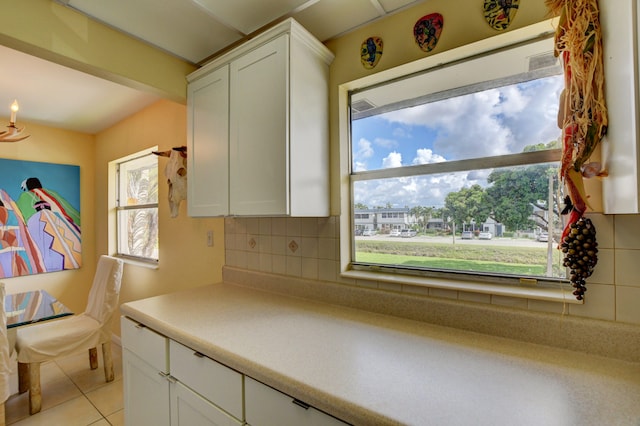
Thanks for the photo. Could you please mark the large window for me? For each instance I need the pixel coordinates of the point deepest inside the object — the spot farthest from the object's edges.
(137, 207)
(463, 159)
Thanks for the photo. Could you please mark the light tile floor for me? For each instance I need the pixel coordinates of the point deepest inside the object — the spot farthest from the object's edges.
(72, 394)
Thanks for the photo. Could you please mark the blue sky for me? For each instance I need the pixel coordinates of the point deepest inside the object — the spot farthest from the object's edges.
(64, 179)
(493, 122)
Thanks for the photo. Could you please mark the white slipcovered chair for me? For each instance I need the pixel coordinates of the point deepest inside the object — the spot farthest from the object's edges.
(5, 358)
(49, 340)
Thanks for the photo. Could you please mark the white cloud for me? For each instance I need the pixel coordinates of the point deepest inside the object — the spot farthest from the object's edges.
(359, 166)
(426, 156)
(538, 124)
(410, 191)
(492, 122)
(401, 132)
(386, 143)
(394, 159)
(365, 150)
(361, 154)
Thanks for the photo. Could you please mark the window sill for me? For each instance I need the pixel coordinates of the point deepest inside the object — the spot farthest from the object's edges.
(524, 291)
(143, 264)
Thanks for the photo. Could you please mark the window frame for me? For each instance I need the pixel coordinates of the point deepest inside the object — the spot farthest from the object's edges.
(118, 208)
(545, 289)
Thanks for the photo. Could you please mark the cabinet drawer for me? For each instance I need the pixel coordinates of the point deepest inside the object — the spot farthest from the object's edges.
(214, 381)
(189, 409)
(148, 345)
(266, 406)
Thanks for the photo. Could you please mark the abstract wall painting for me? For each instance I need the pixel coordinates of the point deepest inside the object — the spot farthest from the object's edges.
(39, 218)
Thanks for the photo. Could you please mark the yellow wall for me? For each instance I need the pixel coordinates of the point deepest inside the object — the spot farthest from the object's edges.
(48, 30)
(185, 259)
(463, 24)
(614, 290)
(47, 144)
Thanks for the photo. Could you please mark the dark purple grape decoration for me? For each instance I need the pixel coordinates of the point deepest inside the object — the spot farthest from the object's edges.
(580, 254)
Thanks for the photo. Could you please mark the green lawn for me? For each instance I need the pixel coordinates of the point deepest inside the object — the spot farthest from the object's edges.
(485, 258)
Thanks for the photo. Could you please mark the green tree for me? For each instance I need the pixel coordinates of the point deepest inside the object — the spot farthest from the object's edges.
(468, 204)
(422, 214)
(515, 191)
(542, 146)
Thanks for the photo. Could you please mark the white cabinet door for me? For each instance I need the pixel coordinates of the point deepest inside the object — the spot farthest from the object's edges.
(259, 145)
(214, 381)
(208, 144)
(271, 108)
(190, 409)
(146, 393)
(266, 406)
(145, 367)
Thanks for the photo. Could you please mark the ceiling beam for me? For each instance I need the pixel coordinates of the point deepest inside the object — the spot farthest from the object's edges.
(59, 34)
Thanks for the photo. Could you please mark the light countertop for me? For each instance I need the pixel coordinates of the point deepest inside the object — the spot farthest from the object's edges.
(368, 368)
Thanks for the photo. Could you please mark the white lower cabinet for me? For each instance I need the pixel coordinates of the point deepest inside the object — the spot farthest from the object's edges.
(190, 409)
(169, 384)
(266, 406)
(145, 368)
(146, 400)
(212, 380)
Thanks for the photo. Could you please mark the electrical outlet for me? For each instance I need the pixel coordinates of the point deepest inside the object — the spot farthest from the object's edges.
(209, 238)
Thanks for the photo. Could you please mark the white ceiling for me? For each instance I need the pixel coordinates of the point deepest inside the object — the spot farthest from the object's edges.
(193, 30)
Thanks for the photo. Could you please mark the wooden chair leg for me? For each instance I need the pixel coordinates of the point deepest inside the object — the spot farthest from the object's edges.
(93, 358)
(108, 362)
(23, 377)
(35, 392)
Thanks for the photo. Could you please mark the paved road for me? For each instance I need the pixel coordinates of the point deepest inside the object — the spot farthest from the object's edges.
(512, 242)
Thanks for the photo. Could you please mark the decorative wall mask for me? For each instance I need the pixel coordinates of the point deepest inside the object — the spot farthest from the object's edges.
(500, 13)
(427, 31)
(371, 52)
(176, 173)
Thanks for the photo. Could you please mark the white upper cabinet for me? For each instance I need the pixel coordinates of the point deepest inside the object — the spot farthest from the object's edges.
(208, 150)
(259, 148)
(258, 128)
(621, 146)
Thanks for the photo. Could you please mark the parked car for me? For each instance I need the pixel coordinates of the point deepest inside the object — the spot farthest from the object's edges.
(394, 233)
(358, 232)
(543, 237)
(485, 235)
(368, 233)
(467, 235)
(407, 233)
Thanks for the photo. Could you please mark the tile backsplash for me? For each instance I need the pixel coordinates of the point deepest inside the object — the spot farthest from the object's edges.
(309, 248)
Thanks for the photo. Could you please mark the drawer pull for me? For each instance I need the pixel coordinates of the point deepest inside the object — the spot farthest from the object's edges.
(198, 354)
(140, 326)
(301, 404)
(167, 376)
